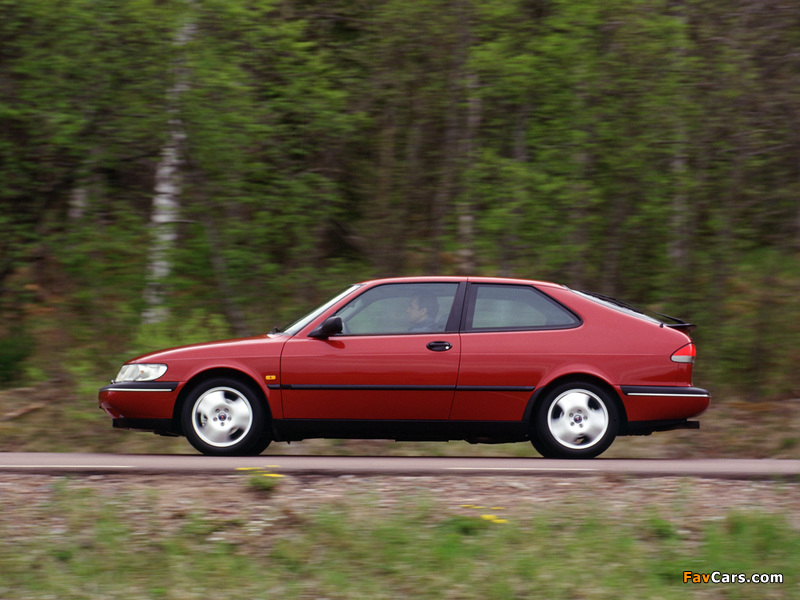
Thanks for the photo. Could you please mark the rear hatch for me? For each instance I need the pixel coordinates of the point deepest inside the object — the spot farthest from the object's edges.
(649, 315)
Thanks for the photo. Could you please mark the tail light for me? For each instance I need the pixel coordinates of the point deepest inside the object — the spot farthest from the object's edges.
(685, 354)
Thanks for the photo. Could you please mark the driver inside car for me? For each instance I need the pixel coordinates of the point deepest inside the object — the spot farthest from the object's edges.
(422, 310)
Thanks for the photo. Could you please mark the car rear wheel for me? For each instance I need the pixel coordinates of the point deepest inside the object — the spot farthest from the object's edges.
(224, 417)
(575, 420)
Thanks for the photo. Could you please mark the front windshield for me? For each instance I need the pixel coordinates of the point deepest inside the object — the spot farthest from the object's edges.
(302, 322)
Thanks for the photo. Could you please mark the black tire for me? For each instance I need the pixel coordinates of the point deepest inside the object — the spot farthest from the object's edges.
(225, 417)
(575, 420)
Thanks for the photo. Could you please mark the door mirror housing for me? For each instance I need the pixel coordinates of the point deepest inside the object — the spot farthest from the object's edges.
(330, 326)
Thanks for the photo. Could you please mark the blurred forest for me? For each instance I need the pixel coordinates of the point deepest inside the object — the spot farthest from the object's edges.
(173, 171)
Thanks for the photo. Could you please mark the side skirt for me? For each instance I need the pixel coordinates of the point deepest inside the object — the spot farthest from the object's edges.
(491, 432)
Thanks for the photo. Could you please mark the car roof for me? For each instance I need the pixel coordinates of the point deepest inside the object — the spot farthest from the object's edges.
(458, 279)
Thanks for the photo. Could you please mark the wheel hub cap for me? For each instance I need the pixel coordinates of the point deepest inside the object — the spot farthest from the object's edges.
(222, 416)
(577, 419)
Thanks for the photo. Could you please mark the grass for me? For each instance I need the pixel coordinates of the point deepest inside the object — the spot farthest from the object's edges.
(262, 480)
(79, 542)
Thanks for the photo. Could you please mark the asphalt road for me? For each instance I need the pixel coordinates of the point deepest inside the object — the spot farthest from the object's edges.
(62, 463)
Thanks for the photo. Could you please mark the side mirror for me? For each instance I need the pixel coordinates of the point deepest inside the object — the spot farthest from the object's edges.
(331, 326)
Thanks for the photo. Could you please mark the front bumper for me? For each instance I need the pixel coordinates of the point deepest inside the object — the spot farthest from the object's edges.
(140, 399)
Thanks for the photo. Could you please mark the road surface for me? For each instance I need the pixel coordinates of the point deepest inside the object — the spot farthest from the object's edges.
(62, 463)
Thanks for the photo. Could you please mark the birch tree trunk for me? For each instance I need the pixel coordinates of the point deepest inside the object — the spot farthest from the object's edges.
(164, 214)
(166, 201)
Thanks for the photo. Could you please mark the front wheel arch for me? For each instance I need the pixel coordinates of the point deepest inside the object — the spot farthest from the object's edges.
(256, 440)
(211, 374)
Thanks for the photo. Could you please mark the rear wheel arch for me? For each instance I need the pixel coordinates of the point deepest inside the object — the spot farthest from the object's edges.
(543, 392)
(585, 395)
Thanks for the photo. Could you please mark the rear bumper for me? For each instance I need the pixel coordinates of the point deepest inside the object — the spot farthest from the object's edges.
(663, 403)
(665, 391)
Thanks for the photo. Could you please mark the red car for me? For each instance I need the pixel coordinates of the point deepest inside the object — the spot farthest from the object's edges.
(426, 358)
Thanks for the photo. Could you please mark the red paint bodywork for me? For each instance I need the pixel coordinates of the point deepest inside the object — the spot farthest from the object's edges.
(485, 376)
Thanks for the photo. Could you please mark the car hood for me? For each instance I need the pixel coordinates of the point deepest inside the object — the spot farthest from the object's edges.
(262, 345)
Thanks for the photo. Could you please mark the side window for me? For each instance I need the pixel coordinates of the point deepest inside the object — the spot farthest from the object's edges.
(400, 308)
(514, 307)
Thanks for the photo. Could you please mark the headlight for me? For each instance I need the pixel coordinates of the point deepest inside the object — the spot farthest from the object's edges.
(140, 372)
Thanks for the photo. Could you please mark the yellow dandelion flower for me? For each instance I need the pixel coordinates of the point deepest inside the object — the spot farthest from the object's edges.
(493, 519)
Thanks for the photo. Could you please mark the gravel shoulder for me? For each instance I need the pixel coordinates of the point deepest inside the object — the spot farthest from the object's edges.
(25, 498)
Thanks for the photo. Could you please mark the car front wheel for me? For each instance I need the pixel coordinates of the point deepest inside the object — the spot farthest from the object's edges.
(575, 420)
(224, 417)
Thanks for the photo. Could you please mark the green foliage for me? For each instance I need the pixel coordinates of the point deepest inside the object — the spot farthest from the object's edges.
(641, 149)
(15, 347)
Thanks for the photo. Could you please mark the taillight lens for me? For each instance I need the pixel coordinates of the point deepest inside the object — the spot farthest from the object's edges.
(685, 354)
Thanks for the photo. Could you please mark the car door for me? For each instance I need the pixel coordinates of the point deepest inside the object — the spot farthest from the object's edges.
(394, 360)
(511, 336)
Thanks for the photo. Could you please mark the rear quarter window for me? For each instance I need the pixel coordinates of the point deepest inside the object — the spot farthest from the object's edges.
(515, 307)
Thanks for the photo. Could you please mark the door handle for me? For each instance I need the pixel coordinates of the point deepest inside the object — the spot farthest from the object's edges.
(439, 346)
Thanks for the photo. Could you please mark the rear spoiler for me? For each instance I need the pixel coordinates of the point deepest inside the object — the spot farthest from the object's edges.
(679, 325)
(674, 322)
